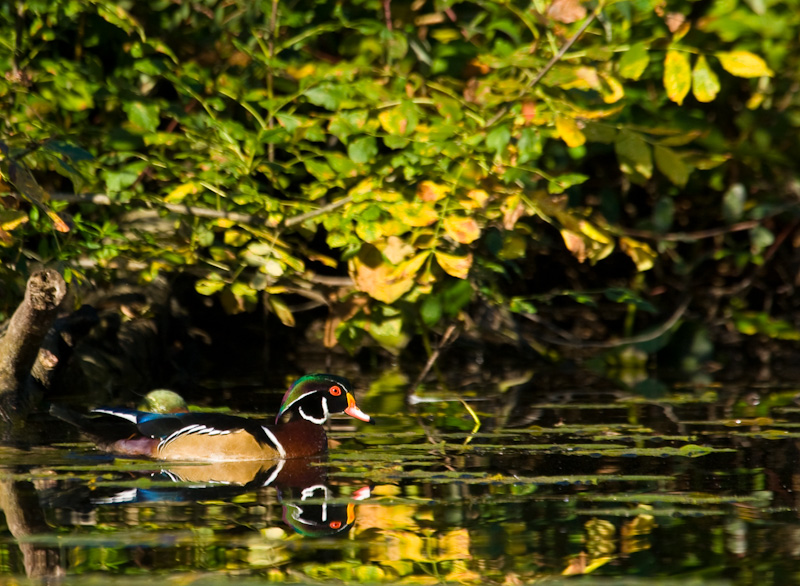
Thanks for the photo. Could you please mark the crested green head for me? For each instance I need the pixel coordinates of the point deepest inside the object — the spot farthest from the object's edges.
(315, 396)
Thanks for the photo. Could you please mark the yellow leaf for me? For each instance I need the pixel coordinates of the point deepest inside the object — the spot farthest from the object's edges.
(583, 246)
(613, 92)
(236, 237)
(455, 266)
(301, 72)
(569, 131)
(677, 75)
(705, 83)
(178, 194)
(743, 64)
(429, 191)
(10, 219)
(408, 269)
(380, 279)
(281, 310)
(641, 254)
(416, 215)
(461, 229)
(476, 199)
(58, 223)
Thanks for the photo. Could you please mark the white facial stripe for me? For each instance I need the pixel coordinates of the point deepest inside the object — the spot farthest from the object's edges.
(304, 395)
(275, 442)
(129, 416)
(189, 429)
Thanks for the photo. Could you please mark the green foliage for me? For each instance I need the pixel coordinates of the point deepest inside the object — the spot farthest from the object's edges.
(425, 156)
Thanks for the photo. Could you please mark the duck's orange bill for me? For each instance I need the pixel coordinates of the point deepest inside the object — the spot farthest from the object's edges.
(353, 410)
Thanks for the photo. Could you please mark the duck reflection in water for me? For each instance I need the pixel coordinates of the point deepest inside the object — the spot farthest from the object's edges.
(310, 505)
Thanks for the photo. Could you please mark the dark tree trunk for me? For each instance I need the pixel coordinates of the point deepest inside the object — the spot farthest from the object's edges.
(23, 339)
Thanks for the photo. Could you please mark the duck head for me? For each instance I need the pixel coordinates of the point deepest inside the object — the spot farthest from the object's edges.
(316, 396)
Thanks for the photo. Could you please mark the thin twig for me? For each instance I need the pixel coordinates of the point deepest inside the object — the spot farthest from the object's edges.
(387, 12)
(451, 329)
(644, 337)
(105, 199)
(318, 212)
(273, 23)
(555, 59)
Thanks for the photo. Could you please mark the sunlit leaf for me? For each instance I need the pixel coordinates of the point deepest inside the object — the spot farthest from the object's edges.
(743, 64)
(634, 61)
(362, 149)
(569, 131)
(705, 83)
(463, 229)
(677, 75)
(280, 309)
(10, 219)
(430, 191)
(400, 120)
(612, 91)
(178, 194)
(566, 11)
(378, 278)
(453, 265)
(640, 253)
(144, 116)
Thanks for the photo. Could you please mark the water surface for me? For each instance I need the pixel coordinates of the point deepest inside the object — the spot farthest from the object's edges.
(695, 486)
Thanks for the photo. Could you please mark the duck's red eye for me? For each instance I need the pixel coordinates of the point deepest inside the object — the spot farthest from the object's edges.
(335, 524)
(335, 390)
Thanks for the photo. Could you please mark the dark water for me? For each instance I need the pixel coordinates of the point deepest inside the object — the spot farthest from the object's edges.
(695, 485)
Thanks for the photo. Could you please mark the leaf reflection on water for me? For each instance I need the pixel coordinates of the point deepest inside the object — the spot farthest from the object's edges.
(584, 485)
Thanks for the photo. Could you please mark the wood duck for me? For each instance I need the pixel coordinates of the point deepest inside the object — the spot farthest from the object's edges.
(215, 437)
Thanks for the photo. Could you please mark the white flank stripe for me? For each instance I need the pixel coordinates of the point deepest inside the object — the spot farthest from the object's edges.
(275, 441)
(190, 429)
(274, 475)
(129, 416)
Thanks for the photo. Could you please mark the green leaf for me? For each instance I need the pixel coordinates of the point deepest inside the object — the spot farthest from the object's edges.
(319, 169)
(363, 149)
(705, 83)
(456, 297)
(431, 310)
(634, 61)
(743, 64)
(326, 95)
(671, 164)
(677, 75)
(634, 154)
(733, 203)
(497, 139)
(621, 295)
(72, 152)
(145, 116)
(400, 120)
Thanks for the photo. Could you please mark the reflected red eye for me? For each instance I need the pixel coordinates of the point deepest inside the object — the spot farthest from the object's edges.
(335, 390)
(335, 524)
